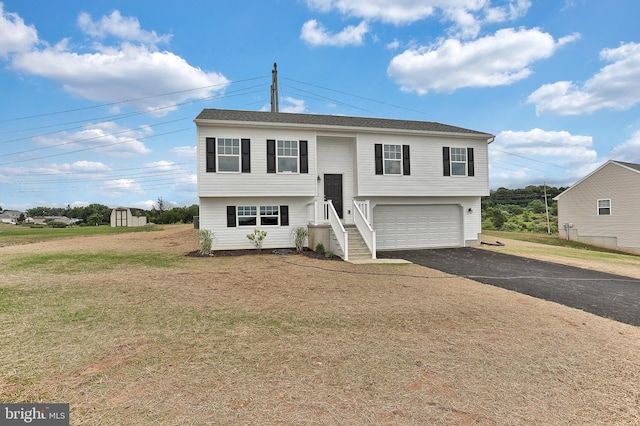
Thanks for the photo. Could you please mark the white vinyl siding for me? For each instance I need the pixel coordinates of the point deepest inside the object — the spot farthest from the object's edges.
(258, 183)
(213, 216)
(426, 177)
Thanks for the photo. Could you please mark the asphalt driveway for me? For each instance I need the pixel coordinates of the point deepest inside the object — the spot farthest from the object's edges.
(606, 295)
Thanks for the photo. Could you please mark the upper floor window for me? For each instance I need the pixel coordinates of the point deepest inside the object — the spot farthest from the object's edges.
(392, 159)
(604, 207)
(287, 156)
(458, 161)
(228, 155)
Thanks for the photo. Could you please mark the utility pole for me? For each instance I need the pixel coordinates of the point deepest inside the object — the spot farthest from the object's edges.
(546, 206)
(274, 88)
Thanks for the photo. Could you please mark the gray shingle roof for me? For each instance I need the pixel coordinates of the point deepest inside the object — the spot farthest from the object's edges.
(631, 165)
(331, 120)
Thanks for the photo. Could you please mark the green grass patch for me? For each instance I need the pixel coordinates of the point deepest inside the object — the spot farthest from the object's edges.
(551, 240)
(14, 235)
(66, 263)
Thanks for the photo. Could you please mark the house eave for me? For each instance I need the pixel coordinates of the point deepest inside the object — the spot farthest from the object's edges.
(328, 129)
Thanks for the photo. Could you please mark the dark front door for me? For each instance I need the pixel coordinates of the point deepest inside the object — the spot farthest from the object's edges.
(333, 191)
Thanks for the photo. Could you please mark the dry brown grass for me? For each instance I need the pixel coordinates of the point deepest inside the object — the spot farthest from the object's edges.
(292, 340)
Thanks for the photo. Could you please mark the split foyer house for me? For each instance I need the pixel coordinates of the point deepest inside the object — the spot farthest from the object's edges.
(602, 208)
(358, 184)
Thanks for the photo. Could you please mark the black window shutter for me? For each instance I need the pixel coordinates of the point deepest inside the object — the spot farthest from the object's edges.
(246, 156)
(231, 216)
(446, 165)
(271, 156)
(406, 162)
(284, 215)
(470, 165)
(211, 154)
(304, 157)
(378, 154)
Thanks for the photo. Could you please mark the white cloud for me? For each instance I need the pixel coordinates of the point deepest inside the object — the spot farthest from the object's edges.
(629, 151)
(123, 28)
(184, 151)
(315, 34)
(15, 35)
(521, 158)
(85, 166)
(296, 105)
(466, 15)
(615, 86)
(133, 69)
(496, 60)
(121, 186)
(105, 138)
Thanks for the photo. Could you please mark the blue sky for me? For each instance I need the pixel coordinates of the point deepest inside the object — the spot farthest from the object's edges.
(98, 98)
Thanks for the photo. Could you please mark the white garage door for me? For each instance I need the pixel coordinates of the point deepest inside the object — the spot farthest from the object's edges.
(417, 226)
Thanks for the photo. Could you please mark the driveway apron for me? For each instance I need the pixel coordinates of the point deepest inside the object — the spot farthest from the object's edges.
(606, 295)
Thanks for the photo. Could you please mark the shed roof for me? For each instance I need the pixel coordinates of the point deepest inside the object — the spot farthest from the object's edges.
(332, 121)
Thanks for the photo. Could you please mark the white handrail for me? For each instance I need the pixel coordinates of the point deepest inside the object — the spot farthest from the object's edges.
(364, 208)
(365, 229)
(338, 229)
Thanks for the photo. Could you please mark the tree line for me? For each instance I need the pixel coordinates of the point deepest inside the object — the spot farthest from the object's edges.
(99, 214)
(522, 210)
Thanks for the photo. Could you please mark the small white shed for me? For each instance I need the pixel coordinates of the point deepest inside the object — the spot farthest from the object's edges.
(127, 217)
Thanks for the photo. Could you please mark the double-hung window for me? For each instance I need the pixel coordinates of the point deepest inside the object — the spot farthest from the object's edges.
(458, 161)
(257, 215)
(269, 215)
(228, 155)
(247, 216)
(287, 156)
(604, 207)
(392, 159)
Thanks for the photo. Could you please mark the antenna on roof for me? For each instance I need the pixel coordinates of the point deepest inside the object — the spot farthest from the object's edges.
(274, 88)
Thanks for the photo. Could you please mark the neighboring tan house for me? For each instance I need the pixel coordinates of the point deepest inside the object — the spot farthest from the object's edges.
(602, 208)
(358, 184)
(10, 216)
(44, 220)
(127, 217)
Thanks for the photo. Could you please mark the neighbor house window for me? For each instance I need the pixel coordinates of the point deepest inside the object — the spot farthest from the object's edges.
(287, 156)
(458, 161)
(392, 159)
(247, 216)
(228, 155)
(269, 215)
(604, 207)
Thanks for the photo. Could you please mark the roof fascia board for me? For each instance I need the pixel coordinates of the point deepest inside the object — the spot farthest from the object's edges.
(318, 127)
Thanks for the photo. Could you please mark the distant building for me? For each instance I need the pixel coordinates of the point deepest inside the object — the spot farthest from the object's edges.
(127, 217)
(10, 216)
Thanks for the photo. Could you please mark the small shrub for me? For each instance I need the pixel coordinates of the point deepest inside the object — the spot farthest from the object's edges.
(329, 254)
(257, 238)
(320, 248)
(206, 241)
(299, 235)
